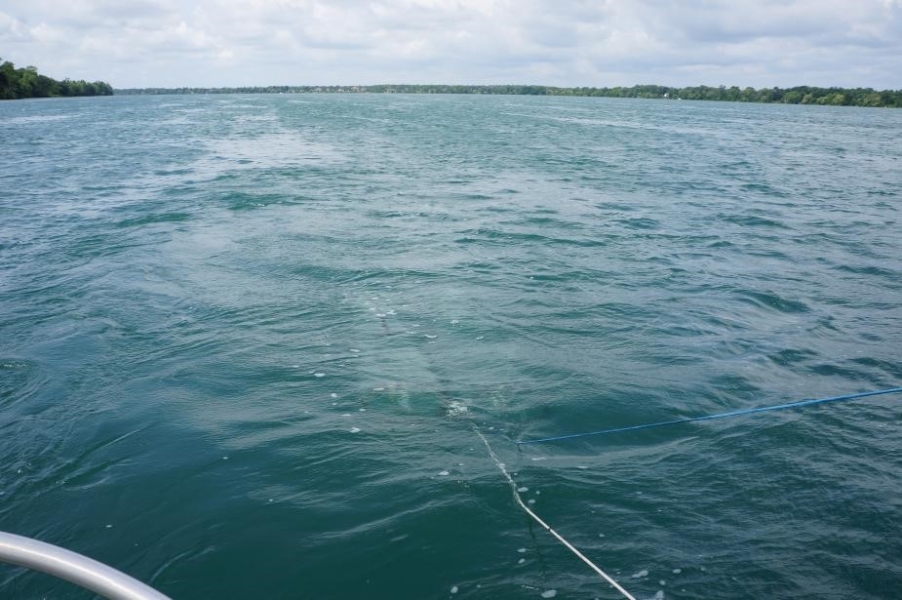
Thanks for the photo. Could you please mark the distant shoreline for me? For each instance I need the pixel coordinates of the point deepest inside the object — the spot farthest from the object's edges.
(796, 95)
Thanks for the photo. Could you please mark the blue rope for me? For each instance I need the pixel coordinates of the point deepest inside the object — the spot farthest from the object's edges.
(735, 413)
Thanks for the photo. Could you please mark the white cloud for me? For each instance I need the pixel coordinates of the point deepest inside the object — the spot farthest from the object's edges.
(556, 42)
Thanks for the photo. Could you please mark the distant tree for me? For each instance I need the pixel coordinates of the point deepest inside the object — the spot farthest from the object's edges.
(796, 95)
(792, 97)
(28, 83)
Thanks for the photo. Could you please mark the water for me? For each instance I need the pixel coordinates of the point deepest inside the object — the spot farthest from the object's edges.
(244, 341)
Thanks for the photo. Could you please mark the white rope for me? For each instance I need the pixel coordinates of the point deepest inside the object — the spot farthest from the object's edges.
(544, 525)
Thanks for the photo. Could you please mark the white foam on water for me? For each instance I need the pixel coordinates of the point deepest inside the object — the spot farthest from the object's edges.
(379, 389)
(521, 561)
(333, 395)
(640, 574)
(456, 408)
(454, 589)
(549, 594)
(346, 415)
(662, 583)
(531, 501)
(431, 337)
(355, 430)
(355, 350)
(443, 473)
(380, 315)
(658, 596)
(319, 374)
(455, 322)
(677, 571)
(480, 337)
(521, 550)
(523, 489)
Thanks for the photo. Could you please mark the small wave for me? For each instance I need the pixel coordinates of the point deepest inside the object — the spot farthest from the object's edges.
(19, 381)
(871, 271)
(893, 369)
(174, 217)
(238, 201)
(644, 223)
(502, 238)
(772, 300)
(791, 356)
(752, 221)
(38, 119)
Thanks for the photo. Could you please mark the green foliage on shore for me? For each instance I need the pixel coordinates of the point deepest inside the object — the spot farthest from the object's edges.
(796, 95)
(28, 83)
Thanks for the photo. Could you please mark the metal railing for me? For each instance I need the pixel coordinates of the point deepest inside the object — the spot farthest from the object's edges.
(78, 569)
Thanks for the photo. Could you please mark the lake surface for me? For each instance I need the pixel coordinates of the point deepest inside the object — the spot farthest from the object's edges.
(247, 343)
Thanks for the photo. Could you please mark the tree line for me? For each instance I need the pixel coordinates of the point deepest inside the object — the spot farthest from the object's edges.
(796, 95)
(28, 83)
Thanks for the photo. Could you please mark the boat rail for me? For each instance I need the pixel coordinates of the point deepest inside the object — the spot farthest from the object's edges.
(74, 567)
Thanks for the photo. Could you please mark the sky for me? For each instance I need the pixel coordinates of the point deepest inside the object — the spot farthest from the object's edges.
(595, 43)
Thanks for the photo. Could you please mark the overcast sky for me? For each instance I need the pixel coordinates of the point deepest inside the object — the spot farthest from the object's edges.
(168, 43)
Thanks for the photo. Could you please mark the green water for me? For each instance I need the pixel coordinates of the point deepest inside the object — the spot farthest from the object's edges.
(244, 342)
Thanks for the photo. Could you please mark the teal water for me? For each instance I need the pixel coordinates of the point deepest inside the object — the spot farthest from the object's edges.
(244, 342)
